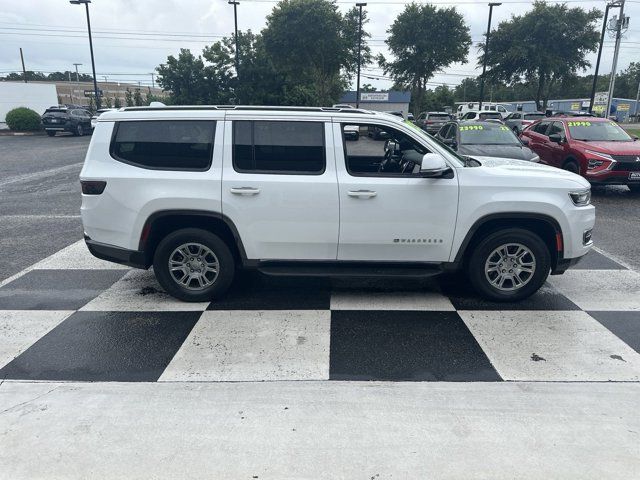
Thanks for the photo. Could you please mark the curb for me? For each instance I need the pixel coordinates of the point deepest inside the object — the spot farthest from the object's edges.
(9, 133)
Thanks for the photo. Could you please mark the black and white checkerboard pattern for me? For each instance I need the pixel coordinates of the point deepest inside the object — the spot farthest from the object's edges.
(73, 317)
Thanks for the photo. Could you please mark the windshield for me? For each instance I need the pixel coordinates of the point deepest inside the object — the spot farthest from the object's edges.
(597, 131)
(487, 135)
(534, 116)
(429, 139)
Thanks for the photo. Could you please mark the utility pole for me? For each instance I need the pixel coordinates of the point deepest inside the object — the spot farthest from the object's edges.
(359, 5)
(153, 79)
(93, 63)
(24, 70)
(77, 76)
(594, 85)
(70, 88)
(637, 101)
(486, 53)
(621, 22)
(235, 4)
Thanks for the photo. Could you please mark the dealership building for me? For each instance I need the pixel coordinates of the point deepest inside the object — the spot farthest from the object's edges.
(391, 101)
(622, 108)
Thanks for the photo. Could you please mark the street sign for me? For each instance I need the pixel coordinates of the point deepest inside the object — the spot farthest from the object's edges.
(624, 107)
(91, 93)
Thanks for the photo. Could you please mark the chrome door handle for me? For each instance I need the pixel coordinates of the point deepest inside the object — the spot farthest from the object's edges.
(245, 190)
(362, 193)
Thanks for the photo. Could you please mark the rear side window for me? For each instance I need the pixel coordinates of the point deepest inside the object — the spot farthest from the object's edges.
(278, 147)
(165, 144)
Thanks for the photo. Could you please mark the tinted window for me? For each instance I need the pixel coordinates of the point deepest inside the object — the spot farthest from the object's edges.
(533, 116)
(438, 116)
(556, 128)
(164, 144)
(278, 147)
(541, 127)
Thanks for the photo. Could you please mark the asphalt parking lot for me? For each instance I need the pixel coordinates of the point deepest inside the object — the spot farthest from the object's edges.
(305, 378)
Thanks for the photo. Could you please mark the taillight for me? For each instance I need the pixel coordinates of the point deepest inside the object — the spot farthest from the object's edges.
(93, 187)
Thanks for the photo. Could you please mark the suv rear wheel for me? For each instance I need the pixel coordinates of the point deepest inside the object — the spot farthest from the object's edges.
(194, 265)
(79, 131)
(509, 265)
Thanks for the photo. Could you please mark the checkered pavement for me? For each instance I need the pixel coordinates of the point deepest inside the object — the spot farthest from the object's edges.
(72, 317)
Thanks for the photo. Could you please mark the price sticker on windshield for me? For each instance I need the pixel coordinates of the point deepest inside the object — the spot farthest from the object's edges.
(465, 128)
(505, 128)
(578, 124)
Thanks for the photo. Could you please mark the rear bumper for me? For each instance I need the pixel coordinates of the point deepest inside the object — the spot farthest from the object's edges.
(110, 253)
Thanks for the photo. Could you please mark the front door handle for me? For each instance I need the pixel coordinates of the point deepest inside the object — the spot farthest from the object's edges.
(362, 193)
(245, 190)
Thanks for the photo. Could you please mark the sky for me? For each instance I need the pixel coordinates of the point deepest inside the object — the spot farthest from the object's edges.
(132, 37)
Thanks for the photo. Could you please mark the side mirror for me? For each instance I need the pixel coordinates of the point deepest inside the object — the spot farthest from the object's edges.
(635, 138)
(556, 138)
(433, 165)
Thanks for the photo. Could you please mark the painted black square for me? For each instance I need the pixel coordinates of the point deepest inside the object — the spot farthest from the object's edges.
(56, 289)
(597, 261)
(105, 346)
(254, 291)
(463, 297)
(625, 325)
(403, 345)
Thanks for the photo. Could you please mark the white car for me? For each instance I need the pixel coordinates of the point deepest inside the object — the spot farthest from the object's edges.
(199, 192)
(94, 118)
(500, 108)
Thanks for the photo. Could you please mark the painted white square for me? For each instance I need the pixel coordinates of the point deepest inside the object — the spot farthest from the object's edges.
(600, 289)
(552, 346)
(19, 329)
(76, 256)
(254, 346)
(139, 290)
(371, 300)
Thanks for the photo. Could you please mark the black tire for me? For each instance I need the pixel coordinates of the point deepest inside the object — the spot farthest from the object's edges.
(51, 133)
(571, 166)
(226, 265)
(484, 249)
(78, 131)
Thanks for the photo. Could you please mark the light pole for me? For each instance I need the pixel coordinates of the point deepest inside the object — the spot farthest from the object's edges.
(486, 53)
(93, 63)
(612, 81)
(595, 75)
(235, 4)
(77, 78)
(359, 5)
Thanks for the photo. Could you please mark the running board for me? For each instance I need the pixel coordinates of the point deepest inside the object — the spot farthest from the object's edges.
(349, 269)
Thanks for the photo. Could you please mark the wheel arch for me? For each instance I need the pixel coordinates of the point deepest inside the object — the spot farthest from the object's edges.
(159, 224)
(545, 226)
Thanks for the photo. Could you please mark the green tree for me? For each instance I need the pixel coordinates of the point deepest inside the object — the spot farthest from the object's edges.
(627, 81)
(305, 41)
(422, 40)
(367, 87)
(137, 98)
(350, 34)
(117, 103)
(544, 46)
(128, 98)
(107, 102)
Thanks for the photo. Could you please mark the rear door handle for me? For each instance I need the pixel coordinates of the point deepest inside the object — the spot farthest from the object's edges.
(362, 193)
(245, 190)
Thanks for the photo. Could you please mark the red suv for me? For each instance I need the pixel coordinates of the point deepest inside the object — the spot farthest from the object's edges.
(596, 148)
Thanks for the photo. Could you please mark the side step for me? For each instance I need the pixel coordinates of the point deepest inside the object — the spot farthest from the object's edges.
(349, 269)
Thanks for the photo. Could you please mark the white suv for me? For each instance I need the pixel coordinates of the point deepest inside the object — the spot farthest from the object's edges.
(199, 192)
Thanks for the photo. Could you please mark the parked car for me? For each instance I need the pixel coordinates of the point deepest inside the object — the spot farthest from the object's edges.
(351, 132)
(94, 118)
(502, 109)
(343, 105)
(482, 116)
(63, 119)
(410, 117)
(596, 148)
(484, 139)
(517, 121)
(431, 122)
(280, 191)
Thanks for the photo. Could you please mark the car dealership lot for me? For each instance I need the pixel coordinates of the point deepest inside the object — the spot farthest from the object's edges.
(350, 378)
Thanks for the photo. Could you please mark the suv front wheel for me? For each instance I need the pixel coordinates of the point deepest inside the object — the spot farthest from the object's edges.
(194, 265)
(509, 265)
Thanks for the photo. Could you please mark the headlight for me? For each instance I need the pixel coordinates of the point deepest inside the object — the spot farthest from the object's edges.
(606, 156)
(535, 159)
(581, 198)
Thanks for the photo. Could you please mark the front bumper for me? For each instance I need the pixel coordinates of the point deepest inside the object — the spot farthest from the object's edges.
(110, 253)
(612, 177)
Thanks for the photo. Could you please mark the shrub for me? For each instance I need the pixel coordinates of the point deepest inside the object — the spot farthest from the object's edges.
(23, 119)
